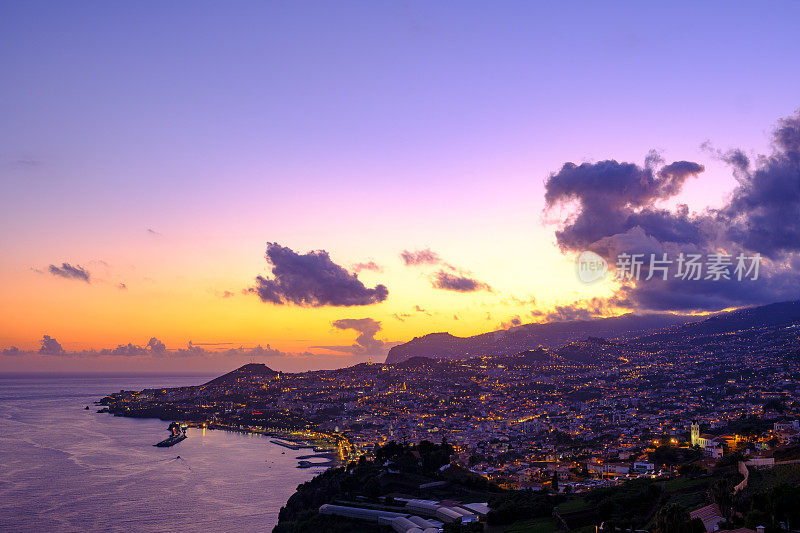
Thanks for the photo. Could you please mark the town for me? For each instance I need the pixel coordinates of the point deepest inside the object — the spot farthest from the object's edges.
(591, 414)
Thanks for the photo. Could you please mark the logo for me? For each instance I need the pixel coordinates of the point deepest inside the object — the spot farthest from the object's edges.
(591, 267)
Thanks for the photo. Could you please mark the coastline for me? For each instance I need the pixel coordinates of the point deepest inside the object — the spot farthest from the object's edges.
(292, 440)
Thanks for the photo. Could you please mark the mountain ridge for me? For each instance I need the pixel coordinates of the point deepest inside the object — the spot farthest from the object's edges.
(552, 335)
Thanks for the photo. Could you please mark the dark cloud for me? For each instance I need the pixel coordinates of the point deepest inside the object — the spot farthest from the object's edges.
(420, 257)
(153, 232)
(764, 211)
(614, 197)
(312, 279)
(367, 328)
(70, 272)
(615, 212)
(458, 282)
(514, 322)
(579, 310)
(370, 265)
(50, 346)
(366, 343)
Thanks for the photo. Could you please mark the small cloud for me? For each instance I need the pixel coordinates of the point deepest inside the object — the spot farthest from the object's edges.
(13, 350)
(513, 300)
(420, 257)
(121, 286)
(50, 346)
(156, 346)
(151, 231)
(514, 322)
(70, 272)
(419, 309)
(401, 316)
(25, 162)
(458, 283)
(370, 265)
(456, 317)
(228, 294)
(366, 343)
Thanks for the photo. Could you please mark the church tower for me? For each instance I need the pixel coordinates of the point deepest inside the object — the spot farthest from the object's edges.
(695, 434)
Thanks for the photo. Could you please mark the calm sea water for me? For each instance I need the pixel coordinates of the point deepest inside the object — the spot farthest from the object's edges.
(63, 468)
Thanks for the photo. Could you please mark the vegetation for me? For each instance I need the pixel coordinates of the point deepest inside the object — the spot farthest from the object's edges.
(656, 505)
(396, 468)
(510, 507)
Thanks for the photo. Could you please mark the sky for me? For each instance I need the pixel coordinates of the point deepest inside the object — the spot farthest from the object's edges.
(200, 184)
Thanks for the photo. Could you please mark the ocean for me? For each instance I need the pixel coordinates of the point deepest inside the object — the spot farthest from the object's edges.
(65, 468)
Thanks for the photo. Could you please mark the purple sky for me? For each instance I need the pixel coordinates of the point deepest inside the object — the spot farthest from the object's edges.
(361, 128)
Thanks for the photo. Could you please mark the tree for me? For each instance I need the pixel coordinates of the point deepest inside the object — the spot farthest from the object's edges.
(673, 518)
(782, 503)
(722, 495)
(554, 482)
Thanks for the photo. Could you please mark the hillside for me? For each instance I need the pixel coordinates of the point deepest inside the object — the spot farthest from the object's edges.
(529, 336)
(243, 374)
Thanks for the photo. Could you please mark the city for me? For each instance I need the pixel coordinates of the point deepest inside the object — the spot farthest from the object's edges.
(593, 414)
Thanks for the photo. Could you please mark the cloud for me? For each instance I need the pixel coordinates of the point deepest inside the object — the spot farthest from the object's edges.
(228, 294)
(370, 265)
(25, 162)
(366, 343)
(458, 283)
(70, 272)
(514, 322)
(764, 210)
(313, 280)
(420, 257)
(614, 210)
(259, 352)
(156, 348)
(126, 350)
(153, 232)
(419, 309)
(401, 316)
(121, 286)
(614, 197)
(513, 300)
(579, 310)
(50, 346)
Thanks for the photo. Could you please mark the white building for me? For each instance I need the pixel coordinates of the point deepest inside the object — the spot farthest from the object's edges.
(711, 444)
